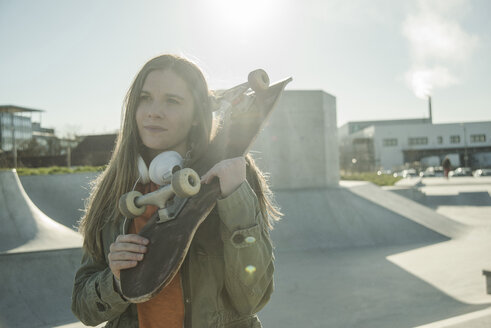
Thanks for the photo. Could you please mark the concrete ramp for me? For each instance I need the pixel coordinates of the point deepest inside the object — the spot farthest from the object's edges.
(360, 256)
(36, 288)
(60, 196)
(38, 260)
(353, 215)
(409, 209)
(24, 226)
(348, 256)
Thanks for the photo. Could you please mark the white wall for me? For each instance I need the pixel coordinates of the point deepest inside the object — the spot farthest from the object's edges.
(299, 145)
(389, 157)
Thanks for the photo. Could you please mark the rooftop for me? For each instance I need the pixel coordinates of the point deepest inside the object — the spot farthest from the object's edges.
(18, 109)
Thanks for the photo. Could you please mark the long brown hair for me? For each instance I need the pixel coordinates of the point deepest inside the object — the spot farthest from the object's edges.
(121, 173)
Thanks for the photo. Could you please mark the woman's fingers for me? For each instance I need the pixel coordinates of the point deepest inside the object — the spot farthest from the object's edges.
(121, 265)
(230, 172)
(132, 238)
(125, 256)
(215, 171)
(126, 252)
(127, 247)
(208, 177)
(129, 243)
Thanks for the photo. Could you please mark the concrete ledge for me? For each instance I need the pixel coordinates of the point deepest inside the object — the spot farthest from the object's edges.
(455, 181)
(413, 193)
(410, 210)
(487, 274)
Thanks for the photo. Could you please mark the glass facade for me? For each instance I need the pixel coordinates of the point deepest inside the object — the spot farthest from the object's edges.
(23, 130)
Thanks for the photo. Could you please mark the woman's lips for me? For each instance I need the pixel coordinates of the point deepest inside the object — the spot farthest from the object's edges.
(154, 128)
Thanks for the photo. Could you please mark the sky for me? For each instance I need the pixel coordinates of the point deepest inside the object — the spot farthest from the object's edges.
(380, 58)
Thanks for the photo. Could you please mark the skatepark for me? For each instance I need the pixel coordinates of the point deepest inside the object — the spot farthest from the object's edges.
(417, 267)
(355, 255)
(347, 253)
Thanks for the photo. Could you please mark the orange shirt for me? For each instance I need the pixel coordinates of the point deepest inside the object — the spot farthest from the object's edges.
(166, 309)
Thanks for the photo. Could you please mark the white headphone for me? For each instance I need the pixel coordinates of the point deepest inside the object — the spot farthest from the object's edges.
(161, 168)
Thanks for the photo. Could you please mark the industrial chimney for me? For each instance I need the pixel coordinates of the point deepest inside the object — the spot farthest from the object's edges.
(429, 109)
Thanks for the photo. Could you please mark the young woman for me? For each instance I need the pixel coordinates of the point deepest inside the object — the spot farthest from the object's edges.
(227, 276)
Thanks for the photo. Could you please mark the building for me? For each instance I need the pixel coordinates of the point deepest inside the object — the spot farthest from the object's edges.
(393, 144)
(14, 126)
(94, 149)
(44, 140)
(34, 145)
(352, 127)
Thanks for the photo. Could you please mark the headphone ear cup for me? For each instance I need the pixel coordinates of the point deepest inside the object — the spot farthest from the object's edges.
(163, 166)
(143, 170)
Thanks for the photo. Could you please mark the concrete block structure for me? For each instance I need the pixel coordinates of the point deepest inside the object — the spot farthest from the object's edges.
(298, 146)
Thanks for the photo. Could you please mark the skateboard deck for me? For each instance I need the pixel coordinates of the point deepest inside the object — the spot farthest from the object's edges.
(170, 241)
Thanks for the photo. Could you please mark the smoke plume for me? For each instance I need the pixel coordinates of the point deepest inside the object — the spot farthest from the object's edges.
(439, 46)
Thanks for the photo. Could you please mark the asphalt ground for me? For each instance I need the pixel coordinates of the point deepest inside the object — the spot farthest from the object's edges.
(353, 256)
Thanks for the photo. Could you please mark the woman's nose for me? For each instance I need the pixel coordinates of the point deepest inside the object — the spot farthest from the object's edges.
(156, 110)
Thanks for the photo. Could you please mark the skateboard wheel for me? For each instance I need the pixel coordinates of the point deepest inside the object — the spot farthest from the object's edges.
(127, 205)
(186, 183)
(258, 80)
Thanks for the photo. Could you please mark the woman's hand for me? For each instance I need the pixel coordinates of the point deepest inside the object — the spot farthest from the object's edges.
(230, 172)
(125, 253)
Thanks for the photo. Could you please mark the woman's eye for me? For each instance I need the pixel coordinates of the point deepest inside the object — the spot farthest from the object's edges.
(173, 101)
(144, 97)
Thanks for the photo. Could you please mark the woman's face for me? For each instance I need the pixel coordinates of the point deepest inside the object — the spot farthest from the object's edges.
(165, 112)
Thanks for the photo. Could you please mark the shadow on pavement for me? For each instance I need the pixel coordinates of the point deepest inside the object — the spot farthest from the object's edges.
(355, 287)
(479, 198)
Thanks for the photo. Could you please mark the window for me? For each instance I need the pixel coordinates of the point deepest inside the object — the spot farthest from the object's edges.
(439, 139)
(355, 127)
(418, 141)
(478, 138)
(7, 145)
(455, 139)
(389, 142)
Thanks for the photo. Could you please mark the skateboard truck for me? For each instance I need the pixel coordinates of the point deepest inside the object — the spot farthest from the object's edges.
(177, 185)
(237, 96)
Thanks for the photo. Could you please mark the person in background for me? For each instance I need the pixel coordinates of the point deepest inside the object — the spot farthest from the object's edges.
(446, 166)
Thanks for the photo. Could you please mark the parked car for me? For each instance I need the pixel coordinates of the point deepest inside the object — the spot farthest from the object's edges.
(409, 173)
(461, 172)
(429, 172)
(482, 173)
(432, 171)
(439, 172)
(385, 172)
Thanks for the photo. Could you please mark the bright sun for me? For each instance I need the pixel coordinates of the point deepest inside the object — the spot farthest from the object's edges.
(244, 15)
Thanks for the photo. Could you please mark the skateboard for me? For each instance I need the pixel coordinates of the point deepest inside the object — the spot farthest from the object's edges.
(183, 204)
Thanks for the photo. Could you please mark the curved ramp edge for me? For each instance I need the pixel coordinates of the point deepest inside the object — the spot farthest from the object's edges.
(25, 228)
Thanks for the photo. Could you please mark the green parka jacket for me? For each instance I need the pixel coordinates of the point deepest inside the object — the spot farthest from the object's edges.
(227, 276)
